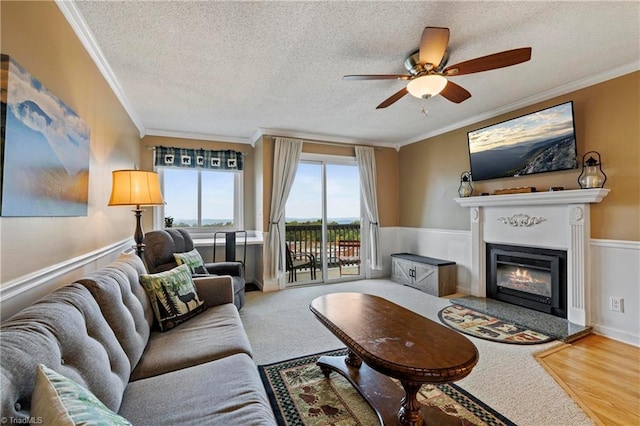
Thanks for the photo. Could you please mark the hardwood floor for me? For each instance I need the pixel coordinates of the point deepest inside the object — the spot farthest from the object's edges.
(602, 375)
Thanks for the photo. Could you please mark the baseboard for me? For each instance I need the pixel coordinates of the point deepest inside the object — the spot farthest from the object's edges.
(618, 335)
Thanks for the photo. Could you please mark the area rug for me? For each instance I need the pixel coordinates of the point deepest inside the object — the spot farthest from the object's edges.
(486, 327)
(301, 395)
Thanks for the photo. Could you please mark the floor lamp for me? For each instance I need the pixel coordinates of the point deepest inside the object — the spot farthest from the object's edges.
(136, 188)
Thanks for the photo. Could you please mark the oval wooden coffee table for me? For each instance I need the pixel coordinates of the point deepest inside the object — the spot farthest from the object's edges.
(393, 342)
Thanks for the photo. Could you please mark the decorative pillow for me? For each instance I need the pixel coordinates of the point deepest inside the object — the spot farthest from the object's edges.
(173, 296)
(60, 401)
(193, 260)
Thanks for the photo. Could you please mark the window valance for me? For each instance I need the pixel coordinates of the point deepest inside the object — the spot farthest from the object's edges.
(199, 158)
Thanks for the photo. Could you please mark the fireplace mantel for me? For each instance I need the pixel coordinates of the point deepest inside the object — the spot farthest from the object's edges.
(573, 196)
(554, 220)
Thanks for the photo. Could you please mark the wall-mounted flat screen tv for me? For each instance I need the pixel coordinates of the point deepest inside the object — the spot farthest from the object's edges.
(543, 141)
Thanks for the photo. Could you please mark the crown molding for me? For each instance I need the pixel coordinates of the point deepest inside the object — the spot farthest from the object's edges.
(198, 136)
(86, 37)
(318, 137)
(549, 94)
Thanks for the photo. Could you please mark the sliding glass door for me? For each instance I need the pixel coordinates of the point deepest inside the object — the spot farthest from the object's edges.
(323, 221)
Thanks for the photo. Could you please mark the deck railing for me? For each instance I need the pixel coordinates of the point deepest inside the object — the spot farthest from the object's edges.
(308, 239)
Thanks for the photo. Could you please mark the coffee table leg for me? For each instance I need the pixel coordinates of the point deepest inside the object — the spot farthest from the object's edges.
(409, 413)
(325, 370)
(352, 360)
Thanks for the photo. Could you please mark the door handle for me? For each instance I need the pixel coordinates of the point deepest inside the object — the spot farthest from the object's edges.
(412, 272)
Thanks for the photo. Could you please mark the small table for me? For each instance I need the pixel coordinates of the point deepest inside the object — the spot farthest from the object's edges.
(393, 342)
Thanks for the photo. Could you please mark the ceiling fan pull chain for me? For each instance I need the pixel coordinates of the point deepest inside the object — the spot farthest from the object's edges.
(424, 107)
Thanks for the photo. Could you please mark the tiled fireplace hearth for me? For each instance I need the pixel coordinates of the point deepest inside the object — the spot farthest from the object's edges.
(547, 220)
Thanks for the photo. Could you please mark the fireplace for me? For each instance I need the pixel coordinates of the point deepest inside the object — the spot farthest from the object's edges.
(532, 277)
(558, 219)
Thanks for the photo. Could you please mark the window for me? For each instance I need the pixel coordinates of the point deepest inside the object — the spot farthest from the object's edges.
(202, 200)
(322, 212)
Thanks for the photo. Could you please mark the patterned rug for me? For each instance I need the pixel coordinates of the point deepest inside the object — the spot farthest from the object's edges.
(301, 395)
(484, 326)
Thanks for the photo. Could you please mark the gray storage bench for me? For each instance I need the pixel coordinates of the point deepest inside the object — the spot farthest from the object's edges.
(433, 276)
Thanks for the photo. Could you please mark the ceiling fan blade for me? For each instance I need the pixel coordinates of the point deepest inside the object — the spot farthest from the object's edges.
(377, 77)
(490, 62)
(455, 93)
(433, 45)
(393, 98)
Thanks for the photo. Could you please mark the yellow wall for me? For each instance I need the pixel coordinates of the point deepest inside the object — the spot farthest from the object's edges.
(607, 117)
(386, 176)
(37, 36)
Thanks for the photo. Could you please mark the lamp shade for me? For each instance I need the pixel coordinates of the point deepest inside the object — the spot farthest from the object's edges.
(135, 188)
(427, 86)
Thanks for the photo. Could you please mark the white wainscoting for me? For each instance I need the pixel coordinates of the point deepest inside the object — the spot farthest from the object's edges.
(23, 291)
(388, 245)
(615, 272)
(441, 244)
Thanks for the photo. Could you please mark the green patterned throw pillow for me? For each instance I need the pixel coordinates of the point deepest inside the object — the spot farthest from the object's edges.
(173, 296)
(60, 401)
(193, 260)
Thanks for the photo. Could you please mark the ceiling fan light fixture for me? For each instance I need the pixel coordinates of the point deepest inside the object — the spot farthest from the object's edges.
(427, 86)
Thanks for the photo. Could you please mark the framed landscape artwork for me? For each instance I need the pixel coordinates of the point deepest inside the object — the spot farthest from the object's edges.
(44, 149)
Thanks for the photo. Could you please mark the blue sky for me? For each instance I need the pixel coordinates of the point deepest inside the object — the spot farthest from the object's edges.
(305, 200)
(343, 192)
(182, 204)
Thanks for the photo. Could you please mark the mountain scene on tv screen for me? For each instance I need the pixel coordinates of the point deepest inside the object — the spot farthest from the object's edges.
(525, 159)
(542, 141)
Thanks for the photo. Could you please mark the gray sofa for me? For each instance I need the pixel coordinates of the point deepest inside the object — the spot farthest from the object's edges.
(99, 332)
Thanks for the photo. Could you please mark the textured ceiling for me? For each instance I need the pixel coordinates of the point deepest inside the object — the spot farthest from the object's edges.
(233, 70)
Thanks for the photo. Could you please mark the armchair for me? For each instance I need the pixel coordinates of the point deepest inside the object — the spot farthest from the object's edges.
(297, 261)
(162, 244)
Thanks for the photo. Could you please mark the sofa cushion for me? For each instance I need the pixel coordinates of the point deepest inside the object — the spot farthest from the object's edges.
(124, 303)
(193, 260)
(65, 331)
(60, 401)
(227, 391)
(173, 296)
(214, 334)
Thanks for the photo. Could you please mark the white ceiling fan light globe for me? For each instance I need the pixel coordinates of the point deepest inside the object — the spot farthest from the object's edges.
(427, 86)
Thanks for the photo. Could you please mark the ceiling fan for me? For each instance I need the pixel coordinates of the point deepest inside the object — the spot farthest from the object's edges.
(428, 75)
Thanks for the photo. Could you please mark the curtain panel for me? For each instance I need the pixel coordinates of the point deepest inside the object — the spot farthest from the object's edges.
(366, 159)
(198, 158)
(285, 165)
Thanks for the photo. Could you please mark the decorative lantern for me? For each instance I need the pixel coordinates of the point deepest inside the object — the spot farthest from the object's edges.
(592, 175)
(465, 189)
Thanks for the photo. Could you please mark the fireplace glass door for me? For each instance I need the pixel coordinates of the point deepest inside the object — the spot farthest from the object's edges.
(532, 277)
(525, 278)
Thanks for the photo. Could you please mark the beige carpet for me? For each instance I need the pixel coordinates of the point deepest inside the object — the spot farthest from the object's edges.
(507, 377)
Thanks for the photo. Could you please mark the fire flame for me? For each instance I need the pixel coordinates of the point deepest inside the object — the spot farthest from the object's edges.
(522, 275)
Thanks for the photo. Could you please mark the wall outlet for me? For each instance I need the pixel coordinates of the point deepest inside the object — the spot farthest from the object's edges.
(616, 304)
